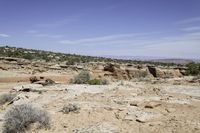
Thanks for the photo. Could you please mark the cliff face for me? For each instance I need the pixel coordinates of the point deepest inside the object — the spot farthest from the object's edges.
(165, 72)
(130, 72)
(97, 70)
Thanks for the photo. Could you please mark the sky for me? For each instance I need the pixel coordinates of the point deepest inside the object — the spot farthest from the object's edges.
(153, 28)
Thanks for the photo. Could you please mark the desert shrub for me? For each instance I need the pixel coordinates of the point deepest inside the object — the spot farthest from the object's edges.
(143, 73)
(94, 82)
(98, 82)
(70, 108)
(28, 56)
(82, 78)
(19, 118)
(7, 97)
(104, 82)
(193, 69)
(33, 79)
(70, 62)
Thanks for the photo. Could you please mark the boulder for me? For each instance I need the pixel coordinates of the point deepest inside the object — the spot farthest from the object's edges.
(152, 70)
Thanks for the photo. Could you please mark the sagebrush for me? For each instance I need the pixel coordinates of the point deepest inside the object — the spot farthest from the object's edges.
(6, 97)
(19, 118)
(98, 82)
(82, 78)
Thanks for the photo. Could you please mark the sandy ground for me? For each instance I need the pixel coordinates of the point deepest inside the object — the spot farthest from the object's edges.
(16, 76)
(137, 106)
(125, 107)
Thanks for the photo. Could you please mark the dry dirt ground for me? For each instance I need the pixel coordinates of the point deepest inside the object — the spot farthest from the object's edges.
(120, 107)
(136, 106)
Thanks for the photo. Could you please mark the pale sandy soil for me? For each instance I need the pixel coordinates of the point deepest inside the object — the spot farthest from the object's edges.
(118, 107)
(14, 76)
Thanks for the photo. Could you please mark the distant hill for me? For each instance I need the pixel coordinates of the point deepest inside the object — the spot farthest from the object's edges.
(155, 59)
(32, 54)
(176, 61)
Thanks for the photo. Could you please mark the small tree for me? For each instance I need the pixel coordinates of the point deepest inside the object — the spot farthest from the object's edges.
(82, 78)
(193, 69)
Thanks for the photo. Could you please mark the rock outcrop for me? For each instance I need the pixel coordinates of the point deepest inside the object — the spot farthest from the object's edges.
(164, 72)
(127, 72)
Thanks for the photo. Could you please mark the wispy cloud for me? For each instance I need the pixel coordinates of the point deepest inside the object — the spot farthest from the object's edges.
(189, 29)
(184, 45)
(32, 31)
(36, 33)
(4, 35)
(57, 23)
(111, 7)
(109, 39)
(48, 35)
(194, 34)
(189, 20)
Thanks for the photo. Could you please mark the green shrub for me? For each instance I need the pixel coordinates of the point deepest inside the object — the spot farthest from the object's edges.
(193, 69)
(19, 118)
(94, 82)
(7, 97)
(82, 78)
(98, 82)
(70, 62)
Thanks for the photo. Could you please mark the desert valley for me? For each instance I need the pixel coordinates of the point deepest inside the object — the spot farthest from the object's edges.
(97, 95)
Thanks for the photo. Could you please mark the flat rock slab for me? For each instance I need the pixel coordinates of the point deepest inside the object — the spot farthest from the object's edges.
(178, 101)
(152, 104)
(27, 86)
(98, 128)
(136, 114)
(189, 90)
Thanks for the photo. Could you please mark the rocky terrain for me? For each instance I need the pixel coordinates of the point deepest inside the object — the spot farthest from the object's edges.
(139, 98)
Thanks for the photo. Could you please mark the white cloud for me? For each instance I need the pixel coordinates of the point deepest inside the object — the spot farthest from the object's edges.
(189, 29)
(47, 35)
(185, 46)
(194, 34)
(189, 20)
(32, 31)
(180, 46)
(110, 39)
(4, 35)
(56, 23)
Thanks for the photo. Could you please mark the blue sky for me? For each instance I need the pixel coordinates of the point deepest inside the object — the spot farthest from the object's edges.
(156, 28)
